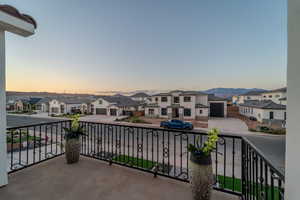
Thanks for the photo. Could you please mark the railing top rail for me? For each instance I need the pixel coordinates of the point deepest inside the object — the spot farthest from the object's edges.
(262, 155)
(202, 132)
(39, 124)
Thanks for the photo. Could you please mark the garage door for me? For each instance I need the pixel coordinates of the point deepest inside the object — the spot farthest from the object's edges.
(100, 111)
(113, 112)
(217, 109)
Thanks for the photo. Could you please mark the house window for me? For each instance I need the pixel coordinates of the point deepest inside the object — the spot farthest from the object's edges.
(259, 116)
(200, 111)
(100, 102)
(164, 99)
(187, 99)
(277, 96)
(270, 96)
(265, 96)
(176, 99)
(187, 112)
(151, 111)
(271, 115)
(156, 99)
(163, 111)
(248, 98)
(284, 115)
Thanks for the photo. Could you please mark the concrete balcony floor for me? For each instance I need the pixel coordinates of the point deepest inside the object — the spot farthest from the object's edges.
(92, 179)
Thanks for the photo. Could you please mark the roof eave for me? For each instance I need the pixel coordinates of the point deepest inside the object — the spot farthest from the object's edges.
(15, 25)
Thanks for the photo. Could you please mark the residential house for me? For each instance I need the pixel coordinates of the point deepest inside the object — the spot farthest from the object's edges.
(21, 105)
(116, 105)
(87, 106)
(64, 105)
(185, 105)
(277, 95)
(265, 111)
(43, 105)
(252, 95)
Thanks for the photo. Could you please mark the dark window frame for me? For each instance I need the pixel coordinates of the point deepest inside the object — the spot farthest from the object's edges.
(271, 115)
(187, 112)
(164, 111)
(164, 99)
(176, 100)
(187, 98)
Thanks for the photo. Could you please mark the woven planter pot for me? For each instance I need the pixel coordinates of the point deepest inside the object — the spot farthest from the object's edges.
(72, 147)
(201, 176)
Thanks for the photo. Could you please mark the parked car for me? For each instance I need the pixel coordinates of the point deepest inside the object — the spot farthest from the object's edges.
(177, 124)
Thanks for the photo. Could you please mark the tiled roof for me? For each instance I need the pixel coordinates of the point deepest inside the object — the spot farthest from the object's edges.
(140, 94)
(253, 93)
(120, 100)
(284, 89)
(182, 93)
(192, 93)
(198, 105)
(212, 97)
(266, 104)
(152, 105)
(283, 99)
(14, 12)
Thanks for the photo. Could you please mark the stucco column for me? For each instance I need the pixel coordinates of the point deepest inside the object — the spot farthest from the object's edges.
(3, 150)
(293, 109)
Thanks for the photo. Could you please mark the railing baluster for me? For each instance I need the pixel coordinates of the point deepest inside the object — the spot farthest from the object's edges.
(166, 149)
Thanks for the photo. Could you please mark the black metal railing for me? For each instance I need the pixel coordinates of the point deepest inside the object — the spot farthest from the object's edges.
(29, 145)
(162, 152)
(260, 180)
(239, 168)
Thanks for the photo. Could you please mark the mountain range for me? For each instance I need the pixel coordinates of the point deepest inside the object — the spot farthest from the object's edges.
(220, 92)
(229, 92)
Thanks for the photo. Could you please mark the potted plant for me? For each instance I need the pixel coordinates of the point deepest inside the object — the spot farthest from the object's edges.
(201, 166)
(72, 140)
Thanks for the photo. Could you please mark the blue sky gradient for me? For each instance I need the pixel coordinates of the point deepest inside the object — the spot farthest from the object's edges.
(108, 45)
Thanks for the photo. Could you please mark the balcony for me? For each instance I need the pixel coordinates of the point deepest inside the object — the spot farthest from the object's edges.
(93, 179)
(130, 162)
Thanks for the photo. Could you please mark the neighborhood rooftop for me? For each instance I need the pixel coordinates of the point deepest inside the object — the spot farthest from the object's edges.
(120, 100)
(140, 94)
(253, 93)
(10, 10)
(265, 104)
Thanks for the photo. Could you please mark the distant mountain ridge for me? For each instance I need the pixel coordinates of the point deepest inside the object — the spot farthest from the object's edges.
(229, 92)
(220, 92)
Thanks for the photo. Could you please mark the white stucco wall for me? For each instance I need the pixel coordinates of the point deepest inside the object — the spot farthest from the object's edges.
(104, 104)
(156, 112)
(242, 98)
(3, 150)
(202, 99)
(292, 169)
(261, 114)
(274, 96)
(205, 112)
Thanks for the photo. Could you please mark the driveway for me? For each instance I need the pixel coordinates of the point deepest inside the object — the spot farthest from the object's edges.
(101, 118)
(231, 125)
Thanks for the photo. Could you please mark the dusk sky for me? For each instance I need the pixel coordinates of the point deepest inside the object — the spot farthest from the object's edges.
(125, 45)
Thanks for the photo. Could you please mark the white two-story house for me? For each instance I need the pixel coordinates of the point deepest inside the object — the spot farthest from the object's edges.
(252, 95)
(277, 96)
(185, 105)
